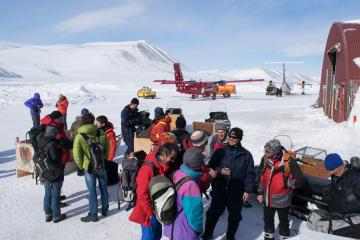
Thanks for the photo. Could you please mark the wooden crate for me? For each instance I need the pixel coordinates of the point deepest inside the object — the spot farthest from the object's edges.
(205, 126)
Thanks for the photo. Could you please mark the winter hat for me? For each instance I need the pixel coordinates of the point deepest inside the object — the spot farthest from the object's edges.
(135, 101)
(193, 159)
(36, 95)
(159, 112)
(236, 132)
(102, 119)
(180, 122)
(273, 146)
(221, 126)
(55, 115)
(51, 131)
(198, 138)
(84, 111)
(332, 161)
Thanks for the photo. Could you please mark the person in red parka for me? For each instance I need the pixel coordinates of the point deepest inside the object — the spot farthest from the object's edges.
(161, 123)
(62, 106)
(54, 119)
(102, 123)
(143, 213)
(278, 176)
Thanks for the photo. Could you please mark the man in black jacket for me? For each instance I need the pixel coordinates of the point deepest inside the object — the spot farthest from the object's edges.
(343, 194)
(129, 119)
(48, 144)
(235, 176)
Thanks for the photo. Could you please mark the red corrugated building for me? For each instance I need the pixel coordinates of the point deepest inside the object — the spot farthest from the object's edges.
(340, 77)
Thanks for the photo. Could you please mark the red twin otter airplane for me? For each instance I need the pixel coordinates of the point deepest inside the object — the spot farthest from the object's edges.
(205, 89)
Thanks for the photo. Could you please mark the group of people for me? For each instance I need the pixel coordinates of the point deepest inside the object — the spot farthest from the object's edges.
(177, 154)
(57, 142)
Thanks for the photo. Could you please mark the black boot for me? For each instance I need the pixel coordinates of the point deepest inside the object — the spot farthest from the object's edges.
(209, 229)
(269, 236)
(231, 230)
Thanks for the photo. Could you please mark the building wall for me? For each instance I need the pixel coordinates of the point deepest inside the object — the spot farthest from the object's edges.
(337, 91)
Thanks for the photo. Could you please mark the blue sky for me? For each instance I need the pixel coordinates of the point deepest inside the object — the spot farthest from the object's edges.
(202, 34)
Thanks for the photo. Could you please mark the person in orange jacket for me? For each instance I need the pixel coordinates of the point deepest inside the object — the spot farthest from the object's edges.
(161, 123)
(62, 106)
(102, 123)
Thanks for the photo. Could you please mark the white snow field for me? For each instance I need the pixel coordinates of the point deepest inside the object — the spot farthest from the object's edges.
(105, 89)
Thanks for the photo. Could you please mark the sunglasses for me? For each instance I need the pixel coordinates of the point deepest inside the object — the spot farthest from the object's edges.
(233, 137)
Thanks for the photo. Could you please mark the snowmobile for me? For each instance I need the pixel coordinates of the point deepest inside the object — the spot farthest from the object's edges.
(218, 113)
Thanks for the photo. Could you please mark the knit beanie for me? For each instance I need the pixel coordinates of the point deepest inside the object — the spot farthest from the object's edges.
(55, 115)
(221, 126)
(180, 122)
(199, 138)
(332, 161)
(236, 132)
(193, 159)
(159, 112)
(273, 146)
(84, 111)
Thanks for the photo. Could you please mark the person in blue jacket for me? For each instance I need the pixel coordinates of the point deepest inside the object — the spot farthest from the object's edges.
(129, 119)
(35, 104)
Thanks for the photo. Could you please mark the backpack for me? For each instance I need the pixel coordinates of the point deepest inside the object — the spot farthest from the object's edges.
(96, 152)
(33, 133)
(112, 172)
(44, 168)
(130, 170)
(163, 197)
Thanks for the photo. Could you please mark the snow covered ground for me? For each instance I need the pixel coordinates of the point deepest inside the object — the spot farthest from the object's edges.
(105, 90)
(261, 117)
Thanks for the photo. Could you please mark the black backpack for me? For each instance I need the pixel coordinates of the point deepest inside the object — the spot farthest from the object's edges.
(44, 167)
(33, 133)
(130, 170)
(96, 152)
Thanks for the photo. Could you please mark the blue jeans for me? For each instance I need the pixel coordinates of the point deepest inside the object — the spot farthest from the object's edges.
(90, 180)
(52, 198)
(35, 119)
(154, 232)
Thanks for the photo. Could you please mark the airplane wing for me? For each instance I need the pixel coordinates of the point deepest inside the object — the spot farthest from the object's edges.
(165, 81)
(172, 82)
(240, 81)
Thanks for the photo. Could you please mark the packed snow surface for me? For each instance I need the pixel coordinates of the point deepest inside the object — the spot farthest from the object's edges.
(106, 91)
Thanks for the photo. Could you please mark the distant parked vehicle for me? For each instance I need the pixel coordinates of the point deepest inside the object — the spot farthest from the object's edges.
(146, 92)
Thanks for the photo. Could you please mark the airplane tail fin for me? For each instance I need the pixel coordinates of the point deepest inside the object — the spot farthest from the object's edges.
(179, 79)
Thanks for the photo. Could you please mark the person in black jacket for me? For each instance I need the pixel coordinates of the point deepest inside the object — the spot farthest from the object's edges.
(235, 175)
(47, 143)
(343, 194)
(129, 119)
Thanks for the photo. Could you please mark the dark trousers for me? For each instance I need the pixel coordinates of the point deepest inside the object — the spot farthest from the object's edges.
(35, 119)
(129, 141)
(63, 120)
(222, 199)
(283, 214)
(52, 198)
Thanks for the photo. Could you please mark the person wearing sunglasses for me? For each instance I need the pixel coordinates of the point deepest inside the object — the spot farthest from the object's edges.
(234, 180)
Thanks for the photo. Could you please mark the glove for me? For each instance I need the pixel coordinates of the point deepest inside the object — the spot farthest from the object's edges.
(79, 172)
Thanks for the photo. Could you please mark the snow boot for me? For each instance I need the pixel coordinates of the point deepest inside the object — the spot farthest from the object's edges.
(231, 230)
(88, 218)
(282, 237)
(48, 218)
(269, 236)
(209, 229)
(60, 218)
